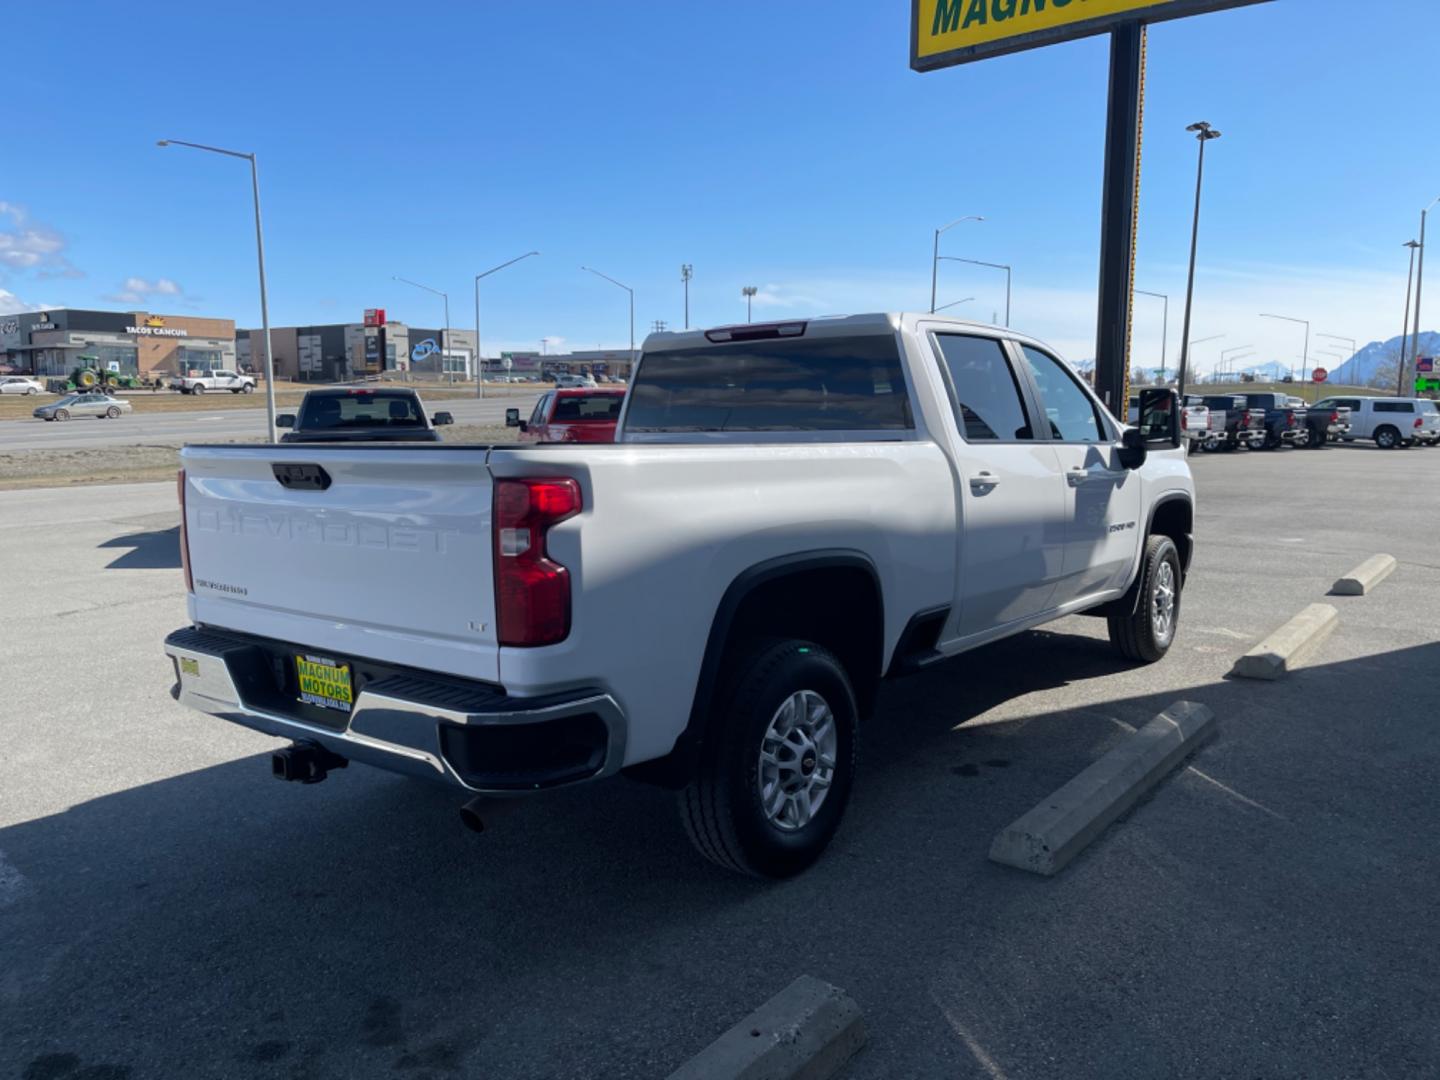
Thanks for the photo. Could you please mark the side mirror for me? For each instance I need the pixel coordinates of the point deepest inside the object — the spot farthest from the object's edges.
(1159, 418)
(1133, 449)
(285, 420)
(512, 417)
(443, 418)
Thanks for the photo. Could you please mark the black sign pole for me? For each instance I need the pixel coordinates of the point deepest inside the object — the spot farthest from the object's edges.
(1117, 215)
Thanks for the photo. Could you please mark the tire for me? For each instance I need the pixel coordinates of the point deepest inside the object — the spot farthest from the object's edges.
(31, 392)
(247, 388)
(1146, 636)
(113, 412)
(723, 807)
(1387, 437)
(62, 414)
(197, 389)
(1272, 442)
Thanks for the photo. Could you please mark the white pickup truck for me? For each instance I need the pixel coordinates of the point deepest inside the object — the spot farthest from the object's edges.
(198, 383)
(791, 513)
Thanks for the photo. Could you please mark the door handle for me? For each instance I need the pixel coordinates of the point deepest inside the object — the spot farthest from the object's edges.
(1077, 476)
(983, 479)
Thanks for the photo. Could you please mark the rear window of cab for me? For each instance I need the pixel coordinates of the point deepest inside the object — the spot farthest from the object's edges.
(800, 384)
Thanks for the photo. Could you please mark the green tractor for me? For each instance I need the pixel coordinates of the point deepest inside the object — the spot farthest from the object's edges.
(89, 375)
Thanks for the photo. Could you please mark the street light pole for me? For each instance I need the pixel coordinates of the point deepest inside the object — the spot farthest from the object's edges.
(631, 291)
(1164, 328)
(935, 254)
(993, 266)
(1404, 326)
(1203, 133)
(446, 341)
(260, 256)
(479, 352)
(748, 291)
(1305, 357)
(1201, 341)
(953, 303)
(686, 273)
(1338, 337)
(1419, 283)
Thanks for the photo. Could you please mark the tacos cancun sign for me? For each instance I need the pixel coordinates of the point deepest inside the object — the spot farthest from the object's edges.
(157, 331)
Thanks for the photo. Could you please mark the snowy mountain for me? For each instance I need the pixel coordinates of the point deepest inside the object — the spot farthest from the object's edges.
(1361, 368)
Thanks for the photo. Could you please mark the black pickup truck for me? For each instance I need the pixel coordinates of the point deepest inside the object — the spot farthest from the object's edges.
(1285, 423)
(351, 414)
(1232, 423)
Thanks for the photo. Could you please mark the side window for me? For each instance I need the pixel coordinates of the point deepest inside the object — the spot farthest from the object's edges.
(1068, 409)
(538, 416)
(1394, 406)
(983, 389)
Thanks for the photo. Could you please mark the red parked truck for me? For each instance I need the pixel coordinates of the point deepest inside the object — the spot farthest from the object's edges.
(580, 415)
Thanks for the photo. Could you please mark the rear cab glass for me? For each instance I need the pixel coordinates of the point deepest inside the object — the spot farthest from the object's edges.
(839, 384)
(369, 409)
(589, 408)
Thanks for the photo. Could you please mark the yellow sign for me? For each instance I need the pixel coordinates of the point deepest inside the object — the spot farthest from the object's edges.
(947, 32)
(154, 320)
(324, 683)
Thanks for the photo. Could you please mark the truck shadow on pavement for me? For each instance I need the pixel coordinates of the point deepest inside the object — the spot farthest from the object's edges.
(158, 549)
(220, 923)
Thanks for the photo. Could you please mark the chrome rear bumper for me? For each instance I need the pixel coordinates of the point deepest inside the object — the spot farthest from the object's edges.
(480, 741)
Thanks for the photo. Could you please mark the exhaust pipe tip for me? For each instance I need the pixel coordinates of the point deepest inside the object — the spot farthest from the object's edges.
(470, 814)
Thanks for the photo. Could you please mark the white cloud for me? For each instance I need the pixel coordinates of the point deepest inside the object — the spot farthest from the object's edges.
(30, 245)
(10, 304)
(779, 296)
(138, 290)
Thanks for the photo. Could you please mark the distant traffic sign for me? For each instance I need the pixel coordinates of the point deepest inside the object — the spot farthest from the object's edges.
(1320, 374)
(946, 32)
(1425, 363)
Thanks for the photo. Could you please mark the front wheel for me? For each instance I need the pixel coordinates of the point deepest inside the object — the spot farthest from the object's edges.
(1147, 634)
(62, 414)
(247, 388)
(113, 412)
(778, 764)
(197, 390)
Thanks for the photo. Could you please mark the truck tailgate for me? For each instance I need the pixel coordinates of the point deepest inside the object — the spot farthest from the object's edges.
(380, 552)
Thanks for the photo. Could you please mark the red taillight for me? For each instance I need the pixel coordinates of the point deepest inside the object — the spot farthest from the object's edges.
(1334, 418)
(184, 535)
(1419, 422)
(1184, 420)
(532, 591)
(1289, 419)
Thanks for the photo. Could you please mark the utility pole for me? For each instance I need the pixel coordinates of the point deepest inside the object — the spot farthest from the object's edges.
(686, 273)
(1419, 283)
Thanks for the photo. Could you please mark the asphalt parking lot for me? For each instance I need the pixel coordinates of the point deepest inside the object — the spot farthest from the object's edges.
(168, 910)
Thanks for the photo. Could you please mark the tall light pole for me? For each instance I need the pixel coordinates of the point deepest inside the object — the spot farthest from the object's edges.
(935, 255)
(1419, 283)
(953, 303)
(1225, 354)
(1405, 325)
(479, 352)
(686, 273)
(260, 255)
(993, 266)
(1305, 357)
(1164, 327)
(1200, 341)
(445, 343)
(631, 291)
(1341, 337)
(748, 291)
(1203, 134)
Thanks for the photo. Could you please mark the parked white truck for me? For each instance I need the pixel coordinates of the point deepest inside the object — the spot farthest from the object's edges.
(200, 382)
(791, 512)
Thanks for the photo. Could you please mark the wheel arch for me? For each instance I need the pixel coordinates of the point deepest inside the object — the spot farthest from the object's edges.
(847, 617)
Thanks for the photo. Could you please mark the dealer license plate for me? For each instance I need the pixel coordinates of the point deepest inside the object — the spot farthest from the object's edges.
(324, 683)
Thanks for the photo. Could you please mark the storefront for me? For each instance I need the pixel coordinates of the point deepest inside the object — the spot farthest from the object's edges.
(53, 343)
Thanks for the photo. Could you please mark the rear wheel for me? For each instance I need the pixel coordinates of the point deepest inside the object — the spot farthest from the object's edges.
(1387, 437)
(197, 389)
(1147, 634)
(777, 767)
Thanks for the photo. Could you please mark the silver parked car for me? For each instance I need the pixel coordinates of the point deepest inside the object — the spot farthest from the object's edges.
(99, 406)
(20, 384)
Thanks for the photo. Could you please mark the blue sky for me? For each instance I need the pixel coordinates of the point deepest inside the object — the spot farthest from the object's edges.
(782, 145)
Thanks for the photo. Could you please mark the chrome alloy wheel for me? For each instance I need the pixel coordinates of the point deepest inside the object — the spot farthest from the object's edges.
(797, 760)
(1162, 597)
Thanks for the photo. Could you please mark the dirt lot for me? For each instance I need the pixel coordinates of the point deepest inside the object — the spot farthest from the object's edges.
(151, 461)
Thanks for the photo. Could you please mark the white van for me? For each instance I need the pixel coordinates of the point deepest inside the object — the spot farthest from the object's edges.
(1390, 421)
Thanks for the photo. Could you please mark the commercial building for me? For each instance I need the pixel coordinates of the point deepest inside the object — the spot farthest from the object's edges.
(139, 343)
(337, 352)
